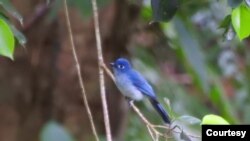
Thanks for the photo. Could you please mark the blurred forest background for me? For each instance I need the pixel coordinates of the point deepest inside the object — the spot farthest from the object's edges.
(200, 68)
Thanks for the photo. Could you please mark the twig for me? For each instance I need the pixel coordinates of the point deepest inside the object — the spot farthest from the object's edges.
(38, 14)
(108, 71)
(152, 129)
(101, 71)
(84, 96)
(151, 126)
(151, 133)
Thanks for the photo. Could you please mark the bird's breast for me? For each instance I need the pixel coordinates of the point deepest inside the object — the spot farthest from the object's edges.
(127, 88)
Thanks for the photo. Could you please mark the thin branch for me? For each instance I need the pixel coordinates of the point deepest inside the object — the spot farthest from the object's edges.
(40, 11)
(157, 137)
(108, 71)
(152, 129)
(151, 133)
(84, 96)
(144, 119)
(101, 71)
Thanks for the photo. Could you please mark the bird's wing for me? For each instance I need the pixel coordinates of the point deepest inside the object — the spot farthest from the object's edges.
(141, 83)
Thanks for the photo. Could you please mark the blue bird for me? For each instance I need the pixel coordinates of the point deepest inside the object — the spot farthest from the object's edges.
(134, 86)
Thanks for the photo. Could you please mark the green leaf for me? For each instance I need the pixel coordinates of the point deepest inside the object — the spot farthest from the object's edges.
(53, 131)
(7, 40)
(11, 10)
(164, 10)
(214, 119)
(241, 20)
(226, 22)
(18, 35)
(228, 33)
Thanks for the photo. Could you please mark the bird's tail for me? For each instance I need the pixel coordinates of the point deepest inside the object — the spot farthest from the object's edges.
(158, 107)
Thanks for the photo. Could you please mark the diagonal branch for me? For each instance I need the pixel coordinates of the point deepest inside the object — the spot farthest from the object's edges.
(84, 96)
(101, 71)
(152, 129)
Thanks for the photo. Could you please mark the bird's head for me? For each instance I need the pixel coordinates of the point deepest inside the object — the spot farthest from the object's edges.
(121, 65)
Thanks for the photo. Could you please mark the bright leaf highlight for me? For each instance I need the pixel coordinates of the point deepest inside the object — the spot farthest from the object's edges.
(214, 119)
(7, 41)
(241, 20)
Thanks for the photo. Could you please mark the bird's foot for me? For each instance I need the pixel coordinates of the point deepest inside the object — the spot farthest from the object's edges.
(130, 101)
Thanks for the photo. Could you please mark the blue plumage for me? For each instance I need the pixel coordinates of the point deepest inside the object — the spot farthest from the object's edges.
(134, 86)
(140, 83)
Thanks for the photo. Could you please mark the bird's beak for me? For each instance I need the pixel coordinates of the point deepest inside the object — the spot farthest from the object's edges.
(112, 64)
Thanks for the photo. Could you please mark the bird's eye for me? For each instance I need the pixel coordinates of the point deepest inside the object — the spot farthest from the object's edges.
(121, 67)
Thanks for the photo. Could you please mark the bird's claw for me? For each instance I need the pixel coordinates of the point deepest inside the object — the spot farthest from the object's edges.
(130, 101)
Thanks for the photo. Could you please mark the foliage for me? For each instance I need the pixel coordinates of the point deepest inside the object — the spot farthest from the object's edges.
(164, 10)
(8, 29)
(213, 119)
(241, 20)
(7, 40)
(11, 10)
